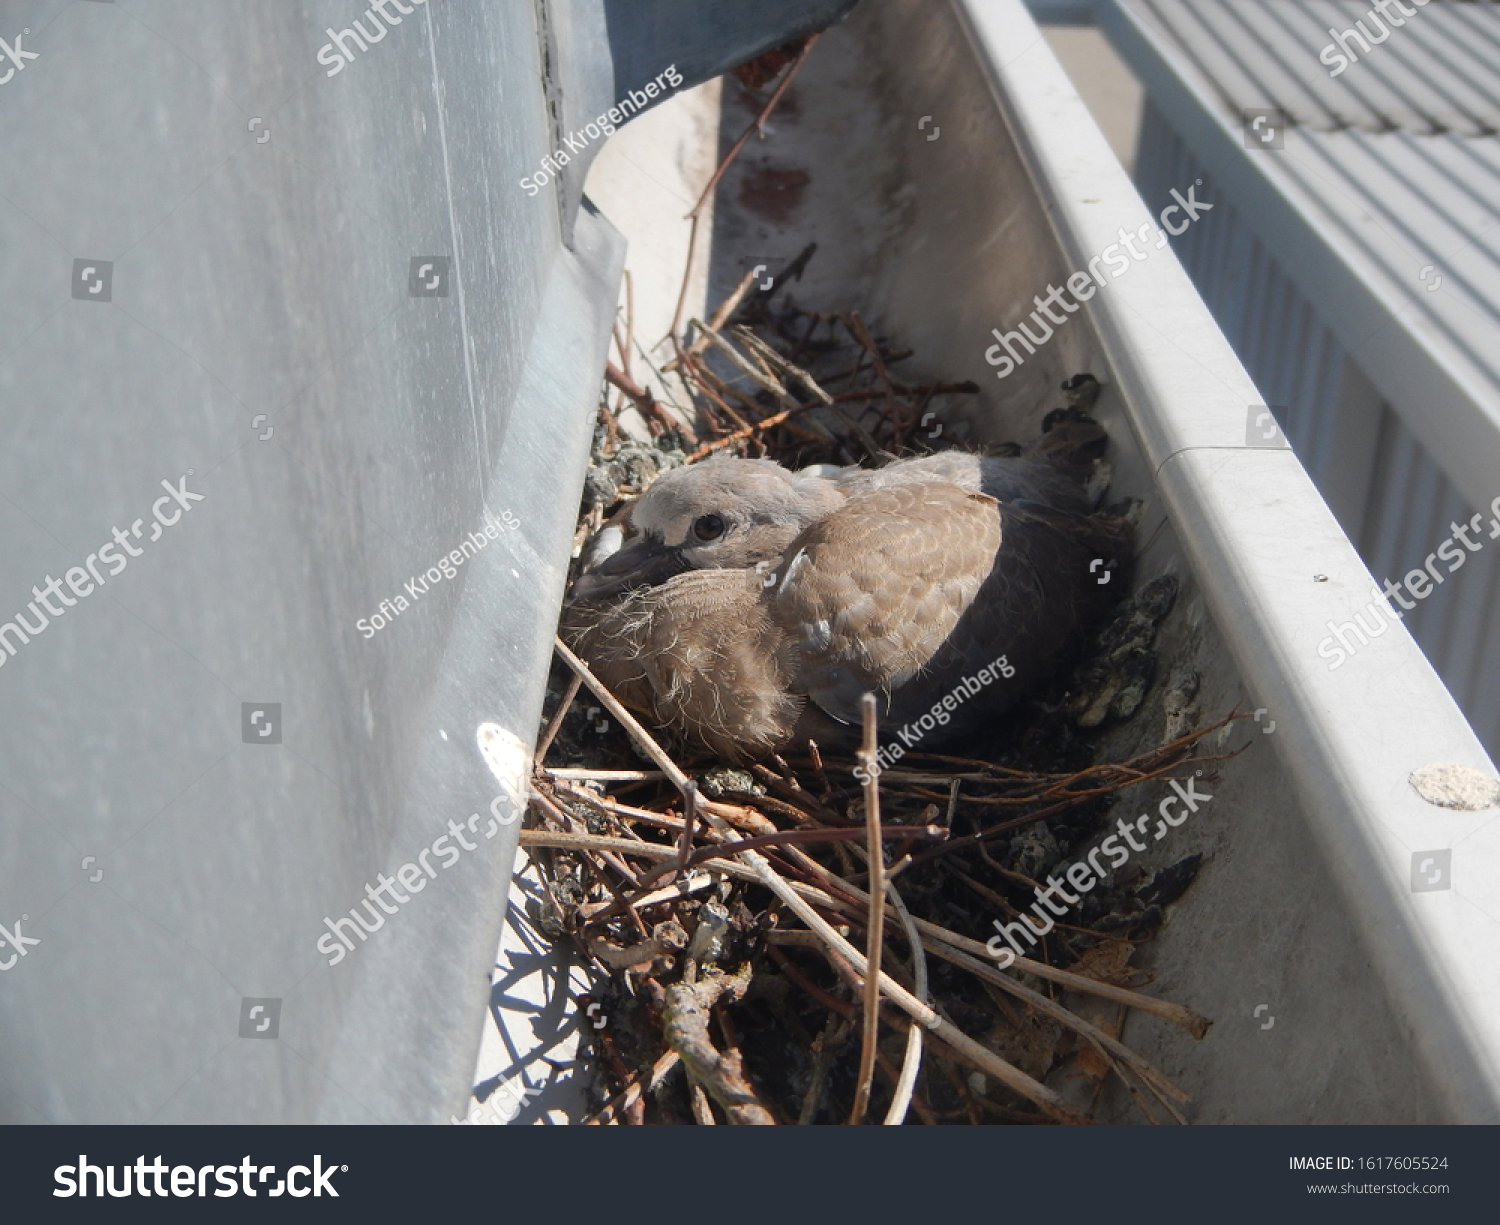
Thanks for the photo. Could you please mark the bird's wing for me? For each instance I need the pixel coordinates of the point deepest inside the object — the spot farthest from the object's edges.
(870, 594)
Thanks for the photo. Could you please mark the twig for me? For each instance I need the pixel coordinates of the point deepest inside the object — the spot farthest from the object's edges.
(633, 1090)
(685, 1019)
(911, 1064)
(555, 723)
(963, 1045)
(734, 152)
(749, 431)
(876, 923)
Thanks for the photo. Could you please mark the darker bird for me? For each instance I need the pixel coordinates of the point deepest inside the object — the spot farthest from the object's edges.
(752, 606)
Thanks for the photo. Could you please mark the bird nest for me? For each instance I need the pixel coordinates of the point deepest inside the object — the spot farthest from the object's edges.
(799, 940)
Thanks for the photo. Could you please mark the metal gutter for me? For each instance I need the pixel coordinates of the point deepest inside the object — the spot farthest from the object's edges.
(1276, 569)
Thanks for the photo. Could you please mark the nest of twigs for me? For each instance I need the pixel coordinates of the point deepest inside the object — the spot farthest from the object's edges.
(780, 943)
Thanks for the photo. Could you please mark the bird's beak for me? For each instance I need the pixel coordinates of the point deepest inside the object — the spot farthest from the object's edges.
(641, 563)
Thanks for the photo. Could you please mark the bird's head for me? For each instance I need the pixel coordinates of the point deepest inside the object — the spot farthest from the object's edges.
(724, 514)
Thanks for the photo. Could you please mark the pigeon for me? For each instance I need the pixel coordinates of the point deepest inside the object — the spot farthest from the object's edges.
(750, 607)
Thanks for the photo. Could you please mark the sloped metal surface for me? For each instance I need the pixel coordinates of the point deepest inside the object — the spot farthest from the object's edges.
(1331, 64)
(291, 273)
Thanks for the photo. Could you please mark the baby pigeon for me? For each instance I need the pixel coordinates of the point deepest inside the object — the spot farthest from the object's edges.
(752, 606)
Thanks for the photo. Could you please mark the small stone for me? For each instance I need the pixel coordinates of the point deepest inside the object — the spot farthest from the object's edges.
(1453, 786)
(729, 781)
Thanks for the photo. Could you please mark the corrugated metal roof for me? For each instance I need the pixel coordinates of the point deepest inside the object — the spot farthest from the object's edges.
(1395, 174)
(1376, 474)
(1434, 72)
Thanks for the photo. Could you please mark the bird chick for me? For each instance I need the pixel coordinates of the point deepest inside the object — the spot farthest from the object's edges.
(753, 606)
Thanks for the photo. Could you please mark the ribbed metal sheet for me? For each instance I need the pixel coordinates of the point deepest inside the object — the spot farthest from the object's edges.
(1434, 72)
(1404, 505)
(1412, 215)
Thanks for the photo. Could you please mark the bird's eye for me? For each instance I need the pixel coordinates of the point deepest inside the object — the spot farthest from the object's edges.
(708, 527)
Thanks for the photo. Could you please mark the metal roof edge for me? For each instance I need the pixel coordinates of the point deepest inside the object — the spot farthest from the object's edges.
(1437, 393)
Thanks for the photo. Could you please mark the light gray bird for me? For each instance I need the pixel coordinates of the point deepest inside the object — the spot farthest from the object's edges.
(753, 606)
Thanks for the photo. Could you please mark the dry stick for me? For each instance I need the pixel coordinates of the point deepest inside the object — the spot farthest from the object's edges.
(686, 1010)
(629, 320)
(734, 152)
(912, 1063)
(716, 320)
(760, 379)
(825, 1046)
(555, 723)
(720, 392)
(761, 349)
(875, 925)
(633, 1090)
(1164, 1090)
(646, 403)
(857, 327)
(569, 773)
(689, 821)
(982, 1058)
(1178, 1014)
(749, 431)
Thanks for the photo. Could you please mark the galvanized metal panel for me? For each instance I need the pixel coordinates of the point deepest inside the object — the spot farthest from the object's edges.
(1401, 507)
(1391, 237)
(309, 282)
(1432, 73)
